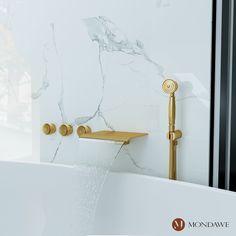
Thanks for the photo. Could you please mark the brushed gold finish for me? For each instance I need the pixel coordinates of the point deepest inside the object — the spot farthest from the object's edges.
(83, 129)
(170, 87)
(85, 132)
(66, 130)
(49, 128)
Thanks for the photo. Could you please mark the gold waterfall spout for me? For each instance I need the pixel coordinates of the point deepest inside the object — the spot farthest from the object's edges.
(85, 131)
(170, 87)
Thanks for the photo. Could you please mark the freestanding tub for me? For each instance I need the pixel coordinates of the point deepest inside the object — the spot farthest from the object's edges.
(51, 200)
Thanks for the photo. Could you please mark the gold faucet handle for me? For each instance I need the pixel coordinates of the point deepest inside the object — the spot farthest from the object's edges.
(174, 135)
(83, 129)
(49, 128)
(66, 129)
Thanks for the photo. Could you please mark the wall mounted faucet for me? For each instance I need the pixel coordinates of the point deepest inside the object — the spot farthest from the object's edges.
(170, 87)
(66, 130)
(49, 128)
(85, 131)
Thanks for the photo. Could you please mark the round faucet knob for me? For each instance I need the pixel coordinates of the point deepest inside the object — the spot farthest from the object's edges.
(66, 130)
(83, 129)
(49, 128)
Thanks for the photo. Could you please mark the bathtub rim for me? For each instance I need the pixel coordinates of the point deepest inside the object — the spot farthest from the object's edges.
(124, 174)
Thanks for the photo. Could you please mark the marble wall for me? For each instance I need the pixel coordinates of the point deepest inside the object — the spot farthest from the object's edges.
(103, 63)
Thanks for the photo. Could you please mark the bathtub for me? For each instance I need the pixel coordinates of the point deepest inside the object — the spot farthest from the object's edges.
(55, 200)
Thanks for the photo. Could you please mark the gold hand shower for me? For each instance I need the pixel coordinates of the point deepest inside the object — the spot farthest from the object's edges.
(170, 87)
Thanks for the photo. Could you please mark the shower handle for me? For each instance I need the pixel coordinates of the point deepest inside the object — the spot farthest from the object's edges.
(170, 87)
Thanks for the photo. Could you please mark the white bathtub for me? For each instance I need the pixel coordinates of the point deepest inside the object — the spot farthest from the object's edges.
(45, 200)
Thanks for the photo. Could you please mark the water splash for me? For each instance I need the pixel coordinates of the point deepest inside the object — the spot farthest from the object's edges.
(91, 177)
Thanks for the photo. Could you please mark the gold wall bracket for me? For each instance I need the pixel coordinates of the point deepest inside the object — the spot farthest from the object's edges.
(85, 131)
(174, 135)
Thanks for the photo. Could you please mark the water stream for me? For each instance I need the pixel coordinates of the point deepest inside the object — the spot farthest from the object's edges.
(91, 173)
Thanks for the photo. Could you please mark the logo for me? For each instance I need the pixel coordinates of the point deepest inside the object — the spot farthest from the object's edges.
(208, 224)
(178, 224)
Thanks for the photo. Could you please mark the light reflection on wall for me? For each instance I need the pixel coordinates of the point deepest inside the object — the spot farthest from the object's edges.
(15, 101)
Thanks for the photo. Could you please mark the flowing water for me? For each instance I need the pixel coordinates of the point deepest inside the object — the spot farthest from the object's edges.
(91, 173)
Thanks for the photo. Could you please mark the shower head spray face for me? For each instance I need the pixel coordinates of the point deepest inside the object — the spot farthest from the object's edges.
(169, 86)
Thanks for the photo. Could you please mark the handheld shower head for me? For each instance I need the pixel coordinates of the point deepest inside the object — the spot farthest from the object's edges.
(169, 86)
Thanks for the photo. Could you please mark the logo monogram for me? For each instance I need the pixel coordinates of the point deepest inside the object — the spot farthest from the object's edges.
(178, 224)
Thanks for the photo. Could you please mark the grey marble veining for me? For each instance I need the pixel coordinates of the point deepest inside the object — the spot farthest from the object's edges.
(137, 165)
(111, 39)
(119, 151)
(85, 119)
(56, 151)
(45, 80)
(61, 75)
(162, 3)
(98, 112)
